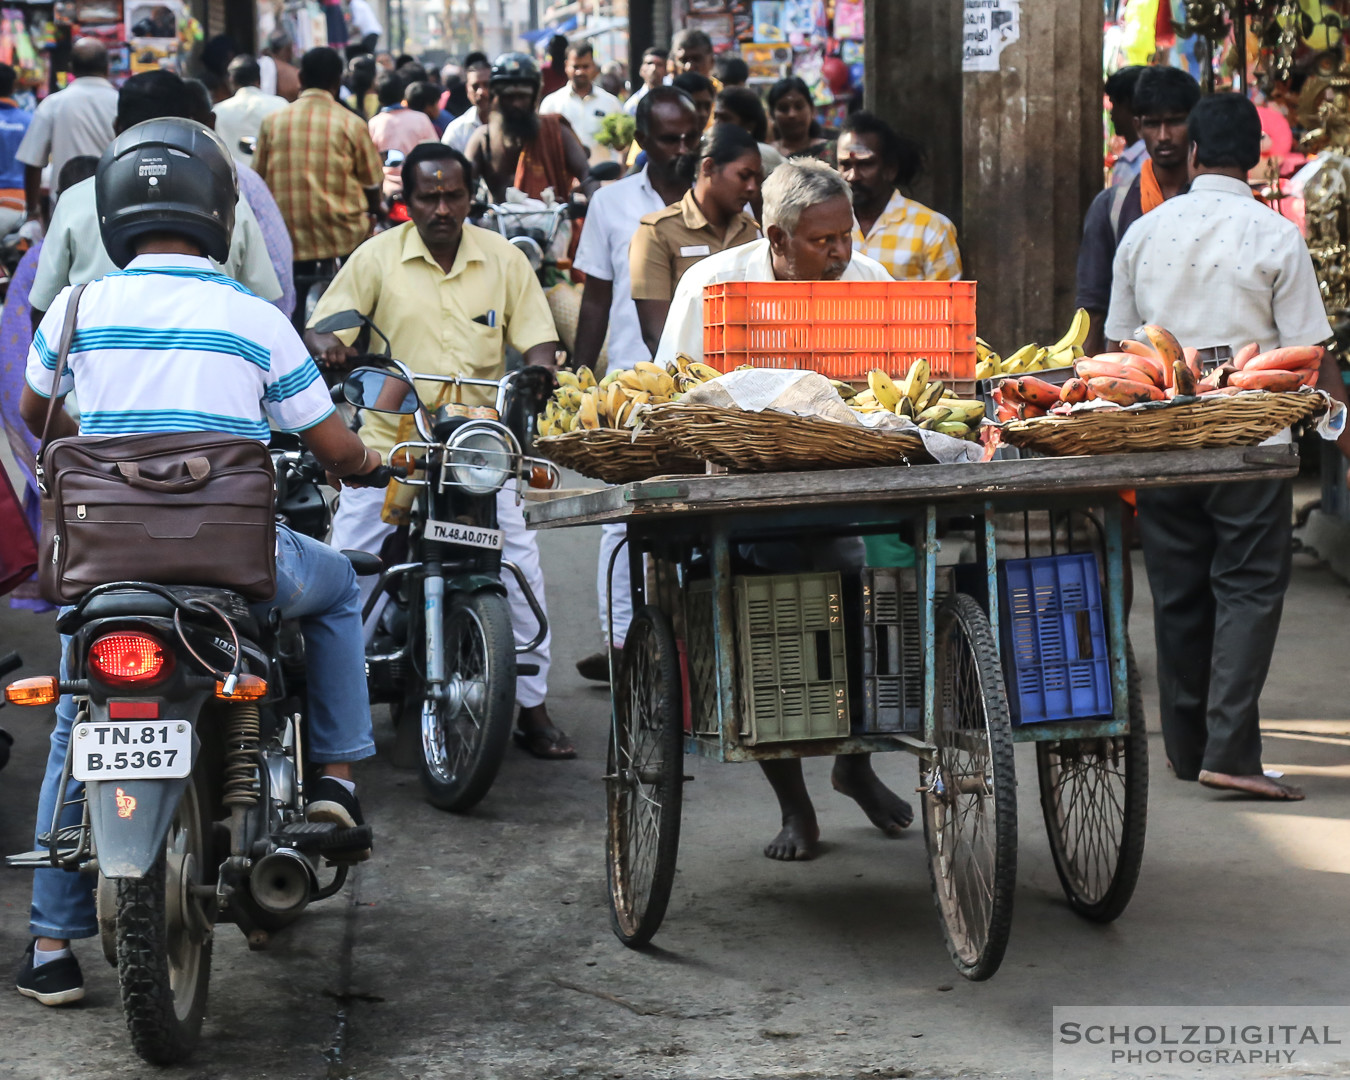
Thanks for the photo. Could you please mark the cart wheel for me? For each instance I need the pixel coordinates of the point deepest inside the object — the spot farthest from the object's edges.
(644, 780)
(1094, 793)
(970, 793)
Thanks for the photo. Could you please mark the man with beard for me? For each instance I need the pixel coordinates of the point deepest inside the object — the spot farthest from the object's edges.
(668, 130)
(808, 224)
(519, 148)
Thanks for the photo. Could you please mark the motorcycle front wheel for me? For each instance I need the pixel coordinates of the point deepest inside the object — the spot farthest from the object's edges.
(466, 730)
(163, 942)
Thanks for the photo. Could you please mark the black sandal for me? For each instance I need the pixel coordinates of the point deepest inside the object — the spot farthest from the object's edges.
(550, 743)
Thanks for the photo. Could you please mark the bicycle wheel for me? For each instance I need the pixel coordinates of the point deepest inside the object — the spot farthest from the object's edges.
(970, 793)
(645, 779)
(1094, 794)
(466, 731)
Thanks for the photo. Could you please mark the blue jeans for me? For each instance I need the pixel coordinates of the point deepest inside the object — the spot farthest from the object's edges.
(317, 586)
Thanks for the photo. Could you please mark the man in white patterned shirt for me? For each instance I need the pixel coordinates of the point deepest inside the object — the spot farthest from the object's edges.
(1217, 267)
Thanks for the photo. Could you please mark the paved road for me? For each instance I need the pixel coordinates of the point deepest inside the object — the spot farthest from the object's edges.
(479, 947)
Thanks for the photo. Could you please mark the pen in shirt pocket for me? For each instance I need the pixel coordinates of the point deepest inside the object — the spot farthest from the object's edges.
(490, 319)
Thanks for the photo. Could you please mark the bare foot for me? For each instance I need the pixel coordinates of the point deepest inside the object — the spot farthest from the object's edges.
(1258, 786)
(797, 840)
(853, 776)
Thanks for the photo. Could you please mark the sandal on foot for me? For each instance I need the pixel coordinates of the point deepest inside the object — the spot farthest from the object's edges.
(550, 743)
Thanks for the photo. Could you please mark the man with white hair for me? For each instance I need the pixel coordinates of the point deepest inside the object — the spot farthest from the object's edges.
(808, 225)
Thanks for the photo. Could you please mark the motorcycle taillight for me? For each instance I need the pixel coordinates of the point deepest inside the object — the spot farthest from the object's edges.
(126, 657)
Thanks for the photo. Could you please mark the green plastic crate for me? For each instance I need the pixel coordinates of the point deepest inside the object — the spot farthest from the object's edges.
(792, 681)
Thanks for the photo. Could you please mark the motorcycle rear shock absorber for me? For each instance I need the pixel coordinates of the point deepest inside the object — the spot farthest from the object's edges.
(241, 787)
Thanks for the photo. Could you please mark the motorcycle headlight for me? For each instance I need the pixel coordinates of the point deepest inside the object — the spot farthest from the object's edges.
(480, 459)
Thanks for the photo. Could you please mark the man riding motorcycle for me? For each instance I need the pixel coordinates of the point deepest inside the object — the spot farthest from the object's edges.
(223, 361)
(449, 295)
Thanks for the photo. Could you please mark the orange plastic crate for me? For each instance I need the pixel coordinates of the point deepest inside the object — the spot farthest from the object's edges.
(842, 329)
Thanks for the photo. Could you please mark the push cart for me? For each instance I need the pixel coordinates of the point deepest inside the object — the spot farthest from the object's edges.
(684, 535)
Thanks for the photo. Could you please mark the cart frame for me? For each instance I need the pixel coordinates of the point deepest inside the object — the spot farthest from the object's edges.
(668, 517)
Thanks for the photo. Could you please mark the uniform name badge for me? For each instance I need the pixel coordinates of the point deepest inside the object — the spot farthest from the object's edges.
(694, 250)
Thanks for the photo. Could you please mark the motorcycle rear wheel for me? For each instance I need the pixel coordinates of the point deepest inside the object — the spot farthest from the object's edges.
(464, 736)
(164, 943)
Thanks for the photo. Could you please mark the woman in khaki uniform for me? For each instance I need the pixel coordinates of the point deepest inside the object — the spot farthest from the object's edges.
(709, 219)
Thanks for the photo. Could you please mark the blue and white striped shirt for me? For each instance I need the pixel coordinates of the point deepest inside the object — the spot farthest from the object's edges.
(172, 344)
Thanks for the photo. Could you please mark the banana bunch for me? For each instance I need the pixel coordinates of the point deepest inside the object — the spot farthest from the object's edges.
(1033, 357)
(581, 404)
(928, 402)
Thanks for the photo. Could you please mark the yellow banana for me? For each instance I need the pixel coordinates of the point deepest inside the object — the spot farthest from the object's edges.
(843, 389)
(885, 391)
(701, 372)
(965, 411)
(1076, 334)
(953, 428)
(936, 414)
(569, 397)
(569, 379)
(915, 381)
(932, 394)
(986, 369)
(585, 377)
(682, 363)
(1017, 362)
(588, 415)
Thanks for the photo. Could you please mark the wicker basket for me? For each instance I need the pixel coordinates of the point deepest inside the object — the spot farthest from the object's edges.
(778, 442)
(616, 456)
(1209, 423)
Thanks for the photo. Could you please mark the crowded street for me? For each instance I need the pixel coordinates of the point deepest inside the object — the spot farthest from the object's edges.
(480, 946)
(692, 540)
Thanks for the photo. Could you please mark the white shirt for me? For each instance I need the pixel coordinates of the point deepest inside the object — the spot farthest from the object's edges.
(612, 218)
(747, 262)
(242, 115)
(363, 18)
(461, 129)
(630, 106)
(73, 251)
(1217, 267)
(73, 122)
(171, 344)
(585, 115)
(268, 69)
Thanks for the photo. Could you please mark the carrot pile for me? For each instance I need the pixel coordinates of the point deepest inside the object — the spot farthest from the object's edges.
(1157, 369)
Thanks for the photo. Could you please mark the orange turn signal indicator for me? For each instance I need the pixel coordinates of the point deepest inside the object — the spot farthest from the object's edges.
(246, 688)
(41, 690)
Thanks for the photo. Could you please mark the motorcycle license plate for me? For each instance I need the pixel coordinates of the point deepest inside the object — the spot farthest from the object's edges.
(131, 750)
(452, 532)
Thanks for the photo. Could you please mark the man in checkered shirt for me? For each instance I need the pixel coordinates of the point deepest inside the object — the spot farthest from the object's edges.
(911, 241)
(320, 162)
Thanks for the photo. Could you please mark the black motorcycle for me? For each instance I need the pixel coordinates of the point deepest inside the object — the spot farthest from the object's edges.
(189, 737)
(443, 653)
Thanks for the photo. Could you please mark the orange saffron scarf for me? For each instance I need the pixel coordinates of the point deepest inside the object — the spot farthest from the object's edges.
(1150, 191)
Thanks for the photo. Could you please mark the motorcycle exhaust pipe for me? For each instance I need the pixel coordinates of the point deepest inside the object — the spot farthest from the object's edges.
(281, 882)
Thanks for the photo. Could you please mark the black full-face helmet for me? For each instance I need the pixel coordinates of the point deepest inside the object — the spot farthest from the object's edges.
(514, 69)
(167, 175)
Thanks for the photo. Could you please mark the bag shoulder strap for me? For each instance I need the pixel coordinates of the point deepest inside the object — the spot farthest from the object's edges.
(62, 354)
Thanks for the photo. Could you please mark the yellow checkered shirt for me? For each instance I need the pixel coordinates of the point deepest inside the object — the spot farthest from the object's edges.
(912, 242)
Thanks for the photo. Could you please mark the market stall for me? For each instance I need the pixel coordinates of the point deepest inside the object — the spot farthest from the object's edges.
(955, 663)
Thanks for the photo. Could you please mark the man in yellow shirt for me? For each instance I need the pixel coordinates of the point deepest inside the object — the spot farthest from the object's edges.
(911, 241)
(449, 295)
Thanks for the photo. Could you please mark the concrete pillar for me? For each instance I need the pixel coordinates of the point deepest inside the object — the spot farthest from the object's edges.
(913, 81)
(1033, 162)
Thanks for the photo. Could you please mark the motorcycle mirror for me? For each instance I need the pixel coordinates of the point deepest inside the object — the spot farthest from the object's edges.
(380, 391)
(605, 171)
(248, 144)
(392, 158)
(340, 320)
(531, 249)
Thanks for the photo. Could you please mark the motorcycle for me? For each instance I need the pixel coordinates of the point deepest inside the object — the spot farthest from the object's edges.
(443, 652)
(189, 738)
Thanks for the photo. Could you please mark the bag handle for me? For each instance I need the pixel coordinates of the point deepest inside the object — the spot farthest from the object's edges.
(199, 469)
(62, 354)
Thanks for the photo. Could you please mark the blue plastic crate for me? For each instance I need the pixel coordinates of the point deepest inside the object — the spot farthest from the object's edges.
(1055, 657)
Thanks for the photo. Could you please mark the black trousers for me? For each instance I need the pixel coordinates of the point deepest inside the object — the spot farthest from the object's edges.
(1218, 560)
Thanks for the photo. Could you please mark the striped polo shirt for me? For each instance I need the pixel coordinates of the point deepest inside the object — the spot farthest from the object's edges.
(171, 344)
